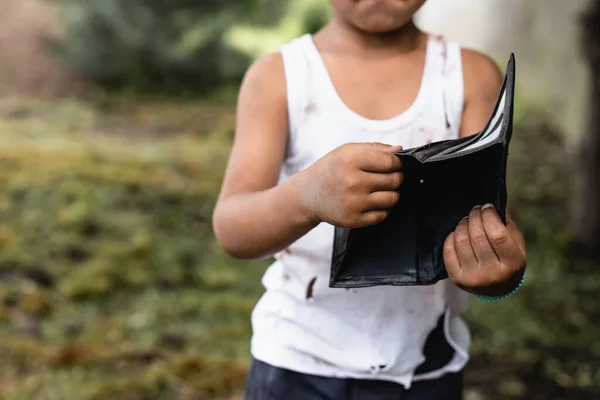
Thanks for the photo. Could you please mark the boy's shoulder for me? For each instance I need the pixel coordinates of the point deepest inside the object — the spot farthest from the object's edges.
(481, 74)
(266, 75)
(479, 64)
(269, 70)
(266, 65)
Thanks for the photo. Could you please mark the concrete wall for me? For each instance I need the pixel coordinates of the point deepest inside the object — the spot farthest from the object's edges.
(27, 68)
(544, 36)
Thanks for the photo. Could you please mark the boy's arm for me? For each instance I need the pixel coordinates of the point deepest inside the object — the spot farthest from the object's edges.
(483, 256)
(354, 185)
(250, 202)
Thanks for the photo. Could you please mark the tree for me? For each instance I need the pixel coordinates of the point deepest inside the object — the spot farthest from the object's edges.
(159, 44)
(586, 205)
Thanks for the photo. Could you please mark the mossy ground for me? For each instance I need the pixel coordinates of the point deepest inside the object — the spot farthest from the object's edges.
(113, 286)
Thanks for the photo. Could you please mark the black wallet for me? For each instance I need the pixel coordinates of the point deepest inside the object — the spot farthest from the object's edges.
(443, 181)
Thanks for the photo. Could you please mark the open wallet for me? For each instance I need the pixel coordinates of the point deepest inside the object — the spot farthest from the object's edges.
(443, 181)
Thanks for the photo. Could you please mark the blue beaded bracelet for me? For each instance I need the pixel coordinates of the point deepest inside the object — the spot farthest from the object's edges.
(504, 296)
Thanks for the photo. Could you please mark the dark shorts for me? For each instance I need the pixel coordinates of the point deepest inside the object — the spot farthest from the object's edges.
(266, 382)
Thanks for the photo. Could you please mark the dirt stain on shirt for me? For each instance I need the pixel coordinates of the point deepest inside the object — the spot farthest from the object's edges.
(311, 109)
(310, 288)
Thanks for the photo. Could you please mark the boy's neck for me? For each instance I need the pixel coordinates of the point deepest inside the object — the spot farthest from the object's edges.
(341, 33)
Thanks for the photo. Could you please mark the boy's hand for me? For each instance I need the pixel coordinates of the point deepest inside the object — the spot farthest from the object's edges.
(483, 256)
(353, 186)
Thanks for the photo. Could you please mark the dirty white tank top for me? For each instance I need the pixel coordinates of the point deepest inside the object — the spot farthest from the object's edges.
(372, 333)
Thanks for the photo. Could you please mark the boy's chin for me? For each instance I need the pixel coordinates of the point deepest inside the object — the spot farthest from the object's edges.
(381, 24)
(384, 16)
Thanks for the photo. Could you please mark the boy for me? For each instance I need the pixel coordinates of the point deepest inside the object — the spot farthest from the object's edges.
(308, 155)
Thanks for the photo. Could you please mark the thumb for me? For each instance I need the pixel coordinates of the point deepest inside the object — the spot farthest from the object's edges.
(386, 147)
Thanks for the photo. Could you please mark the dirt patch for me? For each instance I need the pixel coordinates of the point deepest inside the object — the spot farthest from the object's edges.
(27, 67)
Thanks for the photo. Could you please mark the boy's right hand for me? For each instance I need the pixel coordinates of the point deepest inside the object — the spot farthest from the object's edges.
(353, 186)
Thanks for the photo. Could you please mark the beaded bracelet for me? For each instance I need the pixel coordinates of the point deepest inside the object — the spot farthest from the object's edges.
(504, 296)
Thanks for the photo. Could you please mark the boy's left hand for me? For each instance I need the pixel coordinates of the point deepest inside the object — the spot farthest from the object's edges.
(483, 256)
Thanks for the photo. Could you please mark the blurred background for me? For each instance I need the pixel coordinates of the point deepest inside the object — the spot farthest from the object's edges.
(116, 119)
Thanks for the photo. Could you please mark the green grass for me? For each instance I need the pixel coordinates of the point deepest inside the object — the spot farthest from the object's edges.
(113, 286)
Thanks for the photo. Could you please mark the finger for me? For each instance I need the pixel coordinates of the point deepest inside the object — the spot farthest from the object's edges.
(382, 200)
(383, 182)
(379, 161)
(451, 258)
(462, 244)
(385, 147)
(394, 149)
(479, 241)
(502, 241)
(374, 217)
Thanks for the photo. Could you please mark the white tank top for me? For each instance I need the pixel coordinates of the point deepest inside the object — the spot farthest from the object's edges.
(372, 333)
